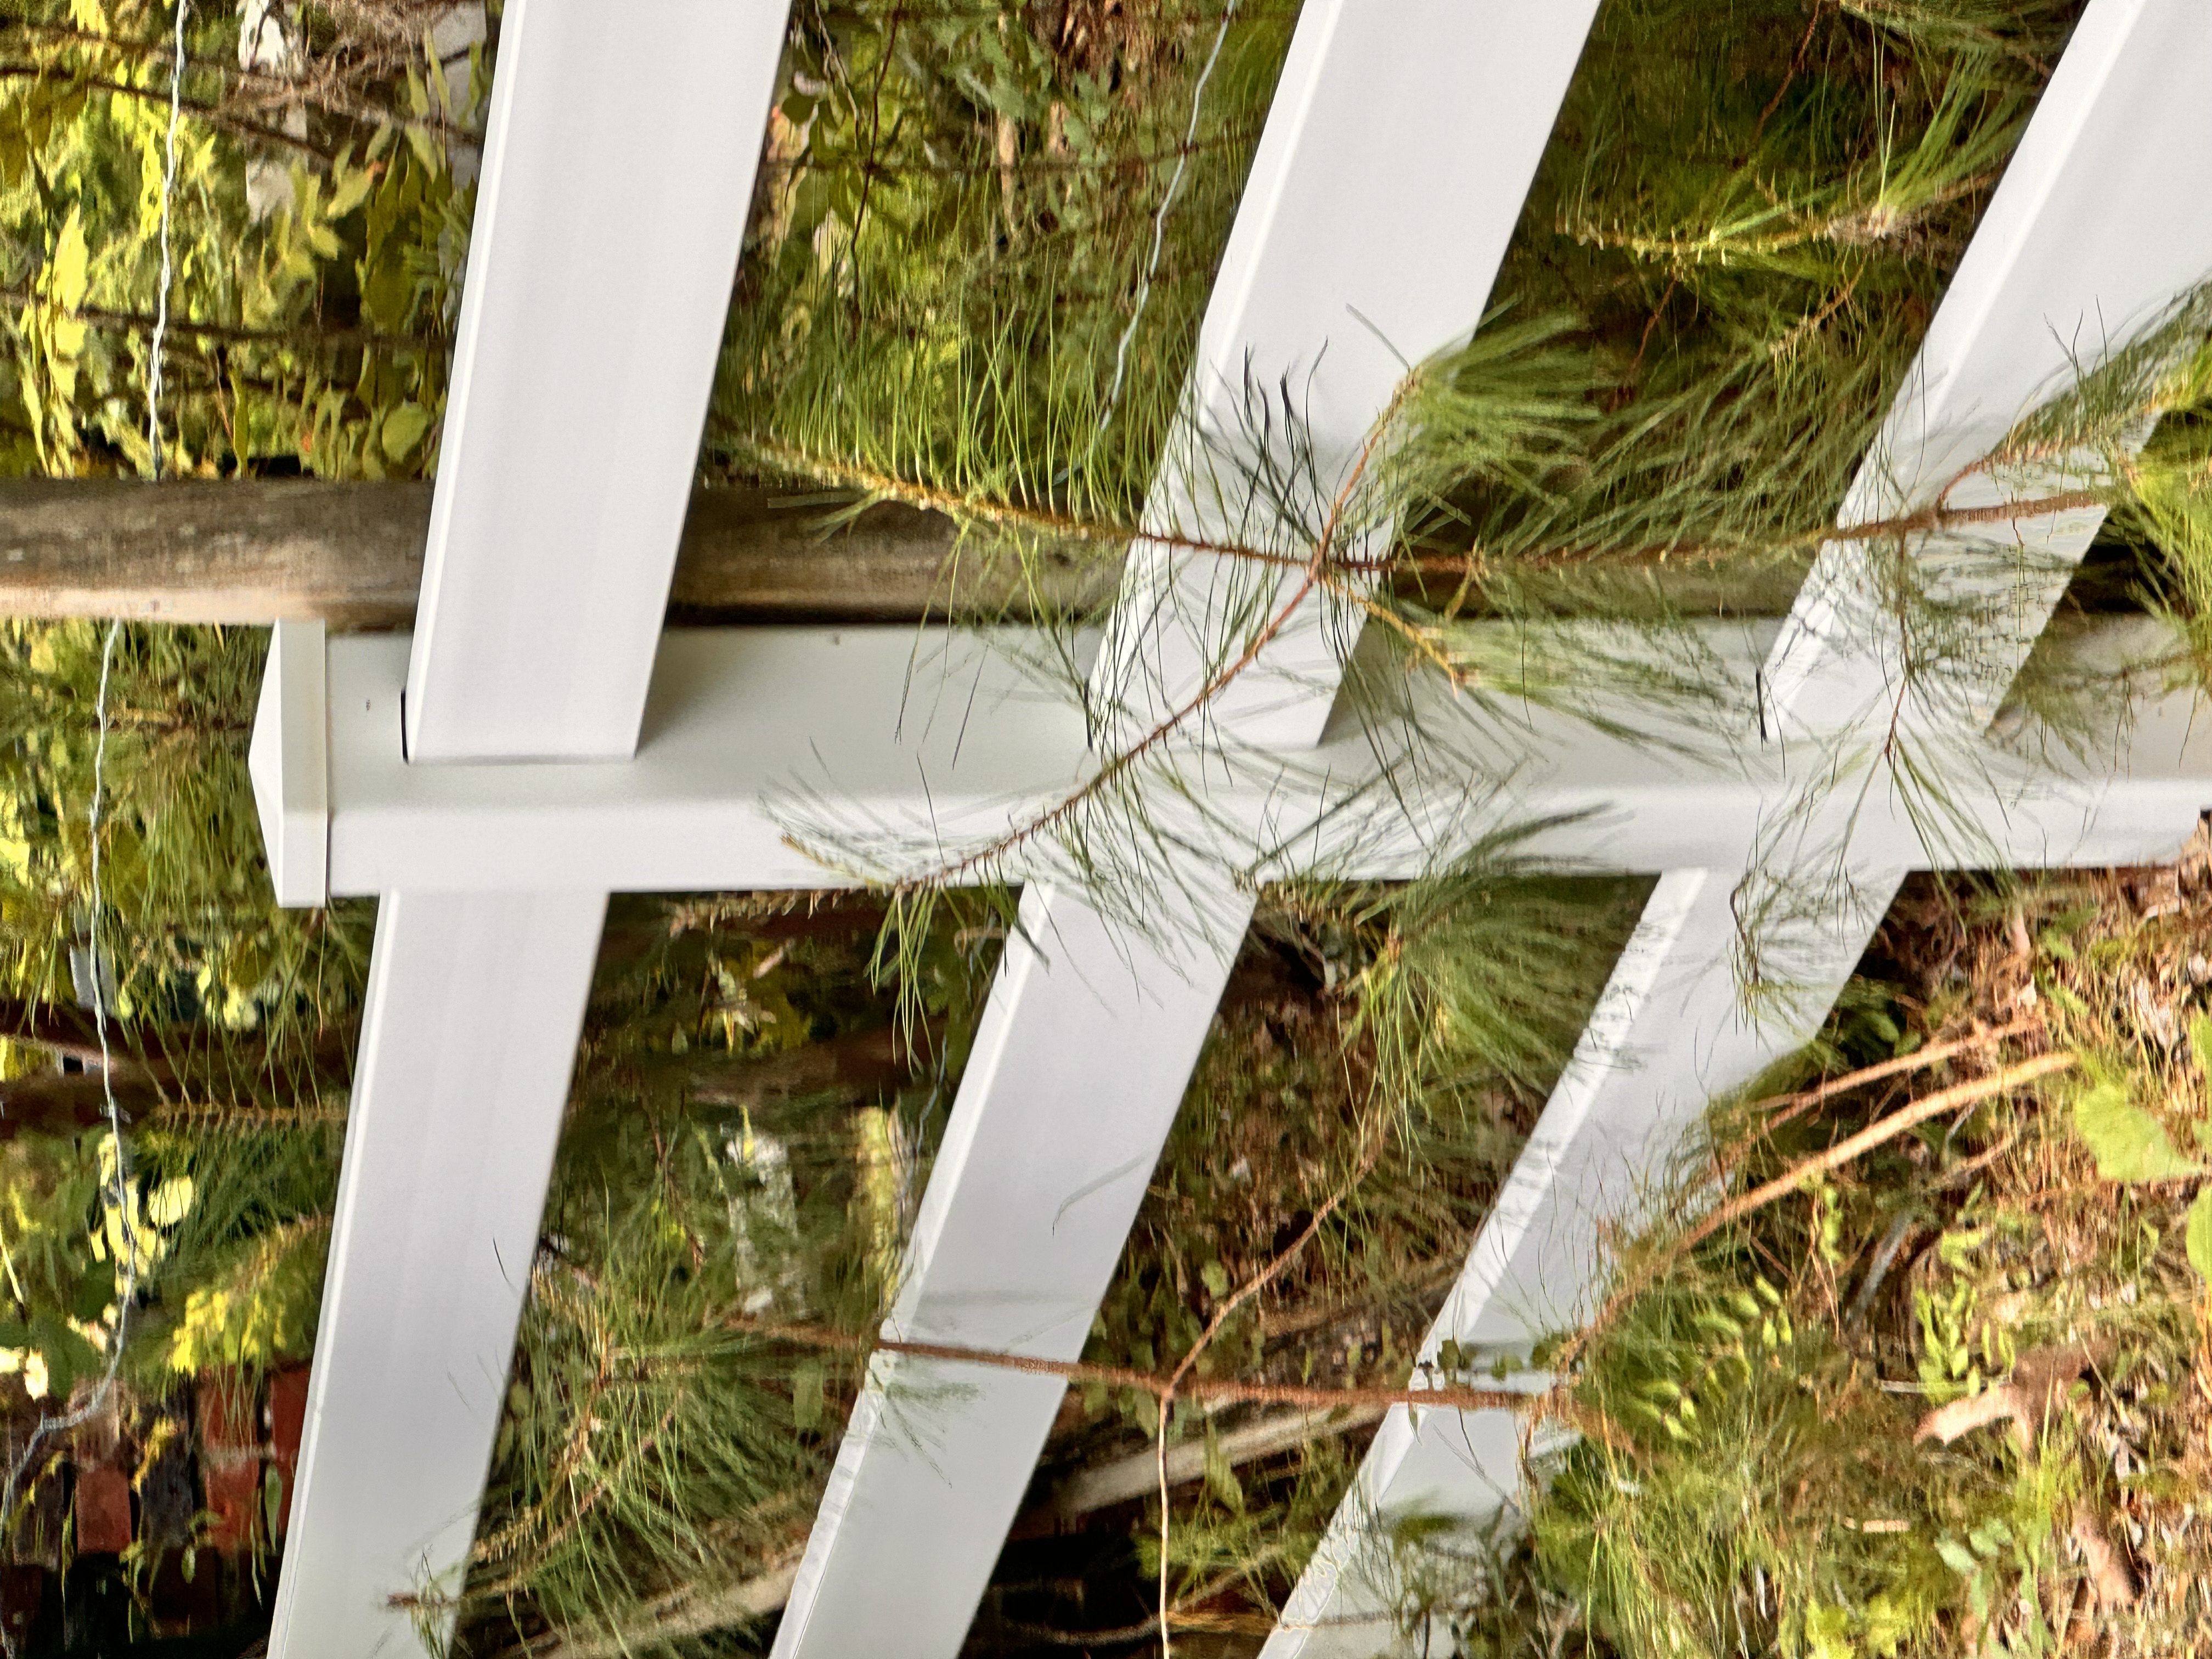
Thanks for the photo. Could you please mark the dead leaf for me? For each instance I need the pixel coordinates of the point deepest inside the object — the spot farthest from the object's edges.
(2040, 1380)
(2110, 1575)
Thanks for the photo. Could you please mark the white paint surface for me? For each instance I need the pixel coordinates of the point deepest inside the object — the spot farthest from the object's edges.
(618, 169)
(474, 1003)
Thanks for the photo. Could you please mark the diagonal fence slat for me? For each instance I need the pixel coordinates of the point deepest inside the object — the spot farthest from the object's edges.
(620, 151)
(2080, 251)
(619, 170)
(1381, 200)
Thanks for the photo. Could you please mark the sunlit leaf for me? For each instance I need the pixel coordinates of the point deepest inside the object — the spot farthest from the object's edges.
(404, 429)
(2129, 1143)
(2200, 1235)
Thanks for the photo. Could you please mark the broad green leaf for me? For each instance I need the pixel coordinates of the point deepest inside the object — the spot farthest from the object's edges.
(1828, 1634)
(2200, 1235)
(354, 185)
(404, 429)
(93, 1292)
(2130, 1144)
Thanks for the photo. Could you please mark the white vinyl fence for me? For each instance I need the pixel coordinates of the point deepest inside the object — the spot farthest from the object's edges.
(539, 742)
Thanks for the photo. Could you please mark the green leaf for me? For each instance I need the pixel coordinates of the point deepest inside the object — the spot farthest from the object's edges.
(404, 429)
(1828, 1634)
(170, 1202)
(2200, 1235)
(94, 1292)
(806, 1395)
(2130, 1144)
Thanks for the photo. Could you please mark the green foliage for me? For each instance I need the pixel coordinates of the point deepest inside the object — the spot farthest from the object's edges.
(241, 996)
(957, 230)
(194, 927)
(1480, 974)
(261, 1311)
(950, 296)
(1755, 1473)
(1741, 227)
(2199, 1235)
(1724, 1518)
(317, 336)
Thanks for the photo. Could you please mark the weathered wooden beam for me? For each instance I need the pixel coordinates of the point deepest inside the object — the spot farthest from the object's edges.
(351, 555)
(255, 550)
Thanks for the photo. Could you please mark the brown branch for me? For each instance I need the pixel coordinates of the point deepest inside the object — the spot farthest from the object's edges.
(1125, 760)
(225, 334)
(868, 1062)
(1796, 1105)
(213, 114)
(255, 550)
(64, 1103)
(1938, 1104)
(1006, 515)
(1927, 520)
(829, 1339)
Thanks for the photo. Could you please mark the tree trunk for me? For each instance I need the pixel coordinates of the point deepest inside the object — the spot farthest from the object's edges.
(351, 554)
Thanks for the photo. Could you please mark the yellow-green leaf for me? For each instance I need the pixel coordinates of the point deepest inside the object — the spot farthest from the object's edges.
(2200, 1041)
(404, 429)
(353, 187)
(170, 1202)
(68, 274)
(2130, 1144)
(2200, 1235)
(1221, 1475)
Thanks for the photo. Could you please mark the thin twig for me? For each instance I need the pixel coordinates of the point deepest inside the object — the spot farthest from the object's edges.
(224, 334)
(1225, 1390)
(1176, 1378)
(1796, 1105)
(968, 865)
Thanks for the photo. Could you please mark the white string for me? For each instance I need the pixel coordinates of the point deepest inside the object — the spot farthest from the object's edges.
(1160, 229)
(120, 1197)
(154, 366)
